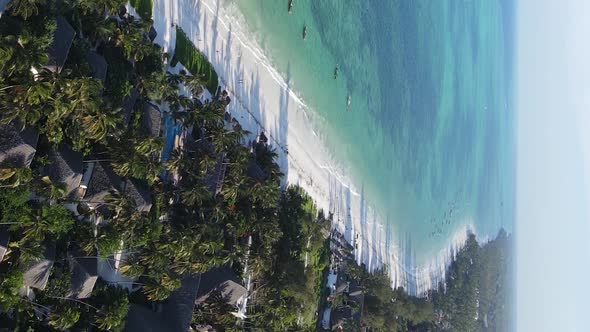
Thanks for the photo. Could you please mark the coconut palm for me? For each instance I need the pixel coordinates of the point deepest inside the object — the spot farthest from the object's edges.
(25, 102)
(176, 102)
(194, 83)
(102, 6)
(137, 157)
(50, 190)
(194, 196)
(100, 123)
(64, 316)
(98, 28)
(15, 176)
(173, 79)
(24, 8)
(160, 289)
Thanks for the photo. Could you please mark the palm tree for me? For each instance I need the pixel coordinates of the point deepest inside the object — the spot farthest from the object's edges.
(98, 28)
(102, 6)
(15, 176)
(24, 8)
(64, 316)
(194, 196)
(100, 123)
(176, 102)
(25, 102)
(194, 83)
(160, 289)
(50, 190)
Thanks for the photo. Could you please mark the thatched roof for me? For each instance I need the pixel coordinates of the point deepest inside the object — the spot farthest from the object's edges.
(151, 119)
(84, 275)
(255, 171)
(63, 36)
(4, 240)
(102, 181)
(98, 65)
(140, 193)
(127, 107)
(176, 313)
(37, 274)
(65, 166)
(222, 280)
(152, 33)
(214, 177)
(17, 148)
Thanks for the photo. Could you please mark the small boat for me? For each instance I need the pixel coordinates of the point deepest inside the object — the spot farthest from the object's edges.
(348, 103)
(336, 72)
(290, 6)
(304, 32)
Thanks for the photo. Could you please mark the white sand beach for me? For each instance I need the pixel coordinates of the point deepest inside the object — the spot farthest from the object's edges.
(263, 101)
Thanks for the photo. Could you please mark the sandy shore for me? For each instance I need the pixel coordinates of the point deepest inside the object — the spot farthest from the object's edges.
(263, 101)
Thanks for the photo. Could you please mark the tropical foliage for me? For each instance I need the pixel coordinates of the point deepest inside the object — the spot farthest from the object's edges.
(143, 8)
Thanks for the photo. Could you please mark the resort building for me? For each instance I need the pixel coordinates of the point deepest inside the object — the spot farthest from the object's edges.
(103, 181)
(224, 281)
(127, 107)
(37, 273)
(58, 51)
(17, 147)
(151, 119)
(173, 314)
(139, 193)
(84, 275)
(66, 167)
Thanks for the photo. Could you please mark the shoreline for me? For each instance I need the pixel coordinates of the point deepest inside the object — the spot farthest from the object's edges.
(263, 101)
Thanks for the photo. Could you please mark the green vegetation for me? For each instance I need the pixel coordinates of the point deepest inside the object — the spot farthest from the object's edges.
(188, 230)
(143, 8)
(290, 298)
(476, 296)
(478, 288)
(196, 63)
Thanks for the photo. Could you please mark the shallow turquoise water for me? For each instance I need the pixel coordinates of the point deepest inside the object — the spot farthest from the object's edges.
(429, 139)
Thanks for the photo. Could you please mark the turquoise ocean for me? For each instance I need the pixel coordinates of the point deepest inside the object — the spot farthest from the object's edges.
(429, 138)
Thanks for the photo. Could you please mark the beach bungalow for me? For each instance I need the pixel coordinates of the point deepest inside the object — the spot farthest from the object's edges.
(140, 193)
(65, 166)
(37, 273)
(58, 51)
(103, 181)
(4, 240)
(98, 65)
(84, 273)
(221, 280)
(173, 314)
(151, 119)
(17, 147)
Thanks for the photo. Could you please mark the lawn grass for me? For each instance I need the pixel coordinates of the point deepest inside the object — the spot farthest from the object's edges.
(143, 8)
(194, 61)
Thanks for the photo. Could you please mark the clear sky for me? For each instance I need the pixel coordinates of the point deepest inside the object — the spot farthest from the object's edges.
(552, 64)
